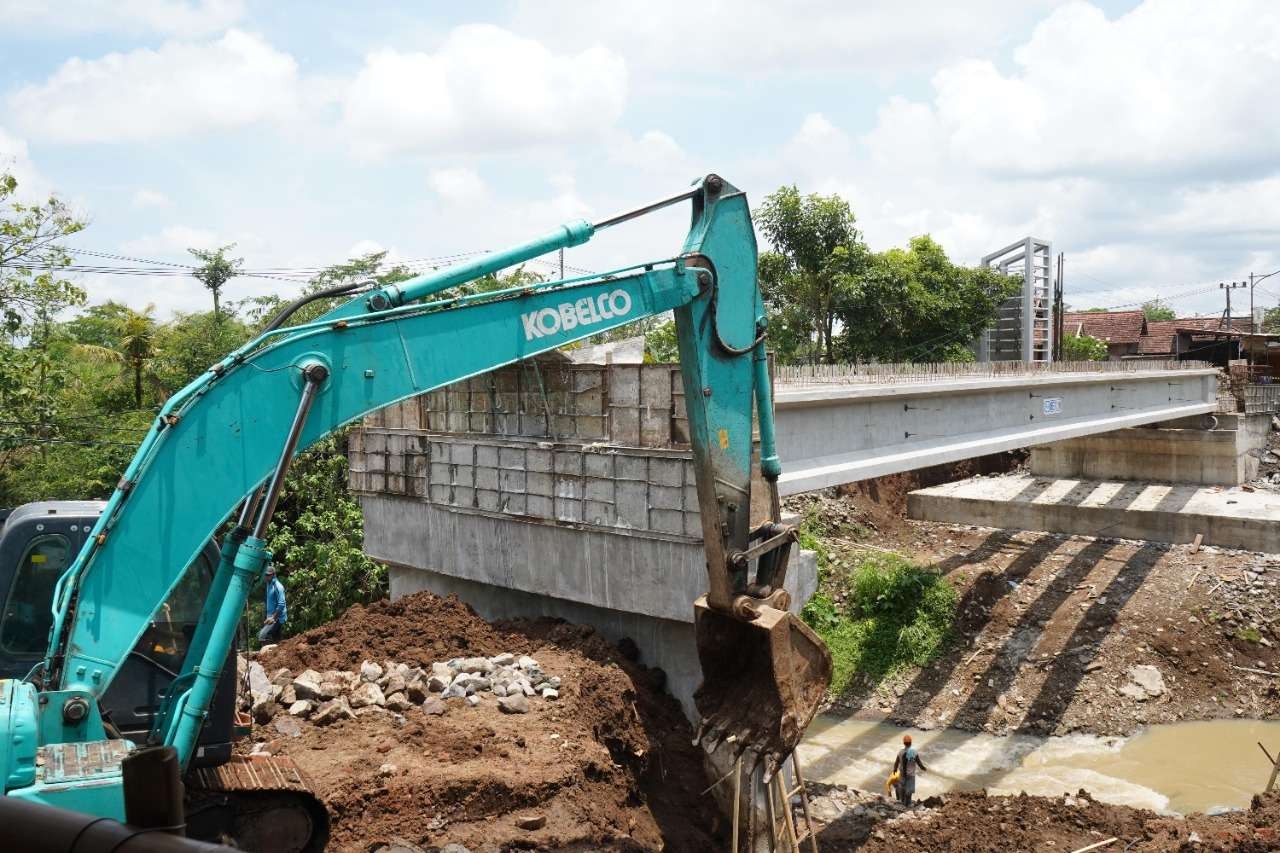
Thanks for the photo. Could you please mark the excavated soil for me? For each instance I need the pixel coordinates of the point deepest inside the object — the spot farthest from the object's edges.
(977, 823)
(607, 766)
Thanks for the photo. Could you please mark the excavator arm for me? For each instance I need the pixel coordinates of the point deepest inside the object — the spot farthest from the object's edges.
(222, 446)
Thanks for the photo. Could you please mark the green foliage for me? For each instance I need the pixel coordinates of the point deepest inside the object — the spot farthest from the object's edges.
(1156, 310)
(1083, 348)
(1249, 634)
(132, 347)
(30, 255)
(897, 615)
(190, 343)
(660, 346)
(317, 536)
(831, 298)
(818, 255)
(913, 304)
(1271, 320)
(215, 270)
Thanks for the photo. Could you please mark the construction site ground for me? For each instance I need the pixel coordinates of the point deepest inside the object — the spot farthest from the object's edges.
(608, 765)
(1050, 628)
(1049, 631)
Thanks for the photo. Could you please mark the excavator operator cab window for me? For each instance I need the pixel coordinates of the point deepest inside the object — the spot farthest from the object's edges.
(173, 624)
(24, 631)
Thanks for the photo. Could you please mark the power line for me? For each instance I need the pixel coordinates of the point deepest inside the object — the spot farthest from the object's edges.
(35, 439)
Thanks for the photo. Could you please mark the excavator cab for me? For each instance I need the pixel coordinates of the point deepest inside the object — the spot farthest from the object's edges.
(38, 542)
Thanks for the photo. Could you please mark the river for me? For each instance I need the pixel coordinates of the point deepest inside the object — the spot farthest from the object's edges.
(1180, 768)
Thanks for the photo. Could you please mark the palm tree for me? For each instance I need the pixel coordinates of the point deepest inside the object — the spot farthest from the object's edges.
(134, 350)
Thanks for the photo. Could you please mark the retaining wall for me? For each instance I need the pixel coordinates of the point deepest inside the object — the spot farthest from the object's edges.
(550, 489)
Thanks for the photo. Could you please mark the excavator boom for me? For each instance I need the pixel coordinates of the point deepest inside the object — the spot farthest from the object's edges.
(221, 448)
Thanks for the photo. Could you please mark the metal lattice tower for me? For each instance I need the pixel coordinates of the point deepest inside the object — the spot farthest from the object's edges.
(1023, 330)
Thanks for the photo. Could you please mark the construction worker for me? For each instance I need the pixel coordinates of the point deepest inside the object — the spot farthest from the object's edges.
(906, 764)
(273, 625)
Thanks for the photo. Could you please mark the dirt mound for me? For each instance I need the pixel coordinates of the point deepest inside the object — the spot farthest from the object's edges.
(606, 766)
(416, 629)
(977, 823)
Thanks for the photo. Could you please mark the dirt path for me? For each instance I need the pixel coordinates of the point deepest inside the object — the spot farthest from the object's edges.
(607, 765)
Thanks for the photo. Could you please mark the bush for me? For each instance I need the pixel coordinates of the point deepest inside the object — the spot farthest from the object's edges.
(1083, 348)
(897, 615)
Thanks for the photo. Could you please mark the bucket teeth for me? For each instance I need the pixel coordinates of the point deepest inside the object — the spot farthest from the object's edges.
(763, 680)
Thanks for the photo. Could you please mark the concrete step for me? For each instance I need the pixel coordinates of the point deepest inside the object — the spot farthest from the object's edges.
(1226, 517)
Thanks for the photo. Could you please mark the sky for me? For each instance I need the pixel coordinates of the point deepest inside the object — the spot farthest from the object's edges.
(1138, 137)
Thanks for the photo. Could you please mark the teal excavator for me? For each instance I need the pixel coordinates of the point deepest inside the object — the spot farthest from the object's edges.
(218, 453)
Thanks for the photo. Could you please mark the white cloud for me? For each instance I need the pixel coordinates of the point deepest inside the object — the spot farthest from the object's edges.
(653, 152)
(167, 17)
(177, 90)
(173, 240)
(765, 36)
(16, 161)
(1135, 144)
(150, 198)
(458, 185)
(484, 89)
(1172, 87)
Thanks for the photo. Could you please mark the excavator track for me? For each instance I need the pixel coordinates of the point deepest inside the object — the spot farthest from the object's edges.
(262, 803)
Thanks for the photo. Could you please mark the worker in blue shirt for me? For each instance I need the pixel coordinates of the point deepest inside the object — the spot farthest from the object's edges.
(906, 765)
(273, 625)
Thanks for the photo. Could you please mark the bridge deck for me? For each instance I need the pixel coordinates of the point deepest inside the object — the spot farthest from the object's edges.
(839, 428)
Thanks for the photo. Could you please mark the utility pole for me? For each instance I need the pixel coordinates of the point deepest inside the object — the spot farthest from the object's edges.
(1229, 286)
(1253, 282)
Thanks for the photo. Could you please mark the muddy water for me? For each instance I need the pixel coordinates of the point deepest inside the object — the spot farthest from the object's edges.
(1183, 768)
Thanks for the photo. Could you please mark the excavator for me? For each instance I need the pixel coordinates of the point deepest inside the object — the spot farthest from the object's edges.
(216, 458)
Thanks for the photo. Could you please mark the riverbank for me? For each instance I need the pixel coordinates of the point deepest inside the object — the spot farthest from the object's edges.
(1183, 768)
(977, 823)
(1066, 634)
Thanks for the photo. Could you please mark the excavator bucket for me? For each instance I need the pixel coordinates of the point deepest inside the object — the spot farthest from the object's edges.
(762, 682)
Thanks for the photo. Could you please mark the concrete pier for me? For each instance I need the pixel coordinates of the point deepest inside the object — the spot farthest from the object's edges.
(1227, 454)
(550, 489)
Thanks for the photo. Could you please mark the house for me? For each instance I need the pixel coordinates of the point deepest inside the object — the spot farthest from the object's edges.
(1199, 338)
(1121, 331)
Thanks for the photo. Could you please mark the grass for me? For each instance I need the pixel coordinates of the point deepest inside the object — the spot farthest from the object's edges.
(1250, 634)
(878, 616)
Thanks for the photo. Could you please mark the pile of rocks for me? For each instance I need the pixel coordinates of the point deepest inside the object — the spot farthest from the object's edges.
(325, 697)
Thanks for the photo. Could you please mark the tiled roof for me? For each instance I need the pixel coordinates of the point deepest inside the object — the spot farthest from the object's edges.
(1214, 323)
(1160, 333)
(1114, 327)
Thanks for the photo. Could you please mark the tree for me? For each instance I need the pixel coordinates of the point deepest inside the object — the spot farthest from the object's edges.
(913, 304)
(817, 256)
(1157, 310)
(97, 325)
(1271, 320)
(215, 270)
(1083, 348)
(133, 348)
(660, 346)
(190, 344)
(32, 295)
(30, 255)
